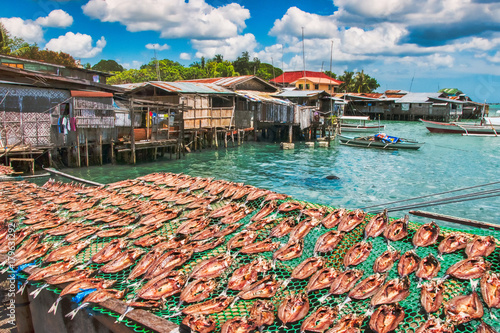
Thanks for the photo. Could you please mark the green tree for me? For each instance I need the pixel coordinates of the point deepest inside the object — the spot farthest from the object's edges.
(348, 79)
(331, 74)
(108, 66)
(363, 83)
(267, 71)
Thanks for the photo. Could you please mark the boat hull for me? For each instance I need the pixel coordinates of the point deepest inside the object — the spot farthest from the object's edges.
(349, 141)
(362, 129)
(453, 128)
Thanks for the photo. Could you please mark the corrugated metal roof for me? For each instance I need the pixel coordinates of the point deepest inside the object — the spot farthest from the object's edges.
(259, 96)
(300, 93)
(223, 81)
(417, 97)
(180, 87)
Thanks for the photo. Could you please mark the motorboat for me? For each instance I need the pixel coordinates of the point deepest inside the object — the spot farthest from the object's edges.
(489, 126)
(358, 124)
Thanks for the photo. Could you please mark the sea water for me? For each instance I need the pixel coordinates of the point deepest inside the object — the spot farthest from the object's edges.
(366, 177)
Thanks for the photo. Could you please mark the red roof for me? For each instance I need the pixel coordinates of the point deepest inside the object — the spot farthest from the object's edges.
(288, 77)
(81, 93)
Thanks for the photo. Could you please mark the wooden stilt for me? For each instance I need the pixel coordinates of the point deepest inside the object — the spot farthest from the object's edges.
(86, 150)
(290, 133)
(78, 160)
(216, 141)
(225, 139)
(113, 152)
(100, 148)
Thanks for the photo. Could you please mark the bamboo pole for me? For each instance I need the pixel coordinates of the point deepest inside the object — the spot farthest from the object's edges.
(132, 133)
(459, 220)
(100, 148)
(225, 139)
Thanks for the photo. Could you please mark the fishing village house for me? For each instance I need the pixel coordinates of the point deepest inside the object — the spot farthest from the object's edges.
(51, 112)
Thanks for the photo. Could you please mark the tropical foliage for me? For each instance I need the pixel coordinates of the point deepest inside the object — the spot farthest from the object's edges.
(359, 82)
(19, 48)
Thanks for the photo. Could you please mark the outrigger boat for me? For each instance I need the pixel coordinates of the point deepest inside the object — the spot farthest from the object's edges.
(380, 141)
(360, 126)
(488, 127)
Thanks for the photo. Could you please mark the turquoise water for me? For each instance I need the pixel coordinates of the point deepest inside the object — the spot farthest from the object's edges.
(367, 176)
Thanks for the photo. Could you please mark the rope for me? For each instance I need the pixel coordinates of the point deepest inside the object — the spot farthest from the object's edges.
(443, 203)
(431, 195)
(465, 197)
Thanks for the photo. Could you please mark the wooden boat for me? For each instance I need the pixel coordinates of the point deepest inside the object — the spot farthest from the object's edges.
(360, 126)
(370, 142)
(488, 126)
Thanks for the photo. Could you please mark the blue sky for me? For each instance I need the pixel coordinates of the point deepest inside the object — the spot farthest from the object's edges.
(422, 45)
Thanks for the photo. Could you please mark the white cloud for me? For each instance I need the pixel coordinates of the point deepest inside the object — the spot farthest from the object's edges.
(157, 46)
(28, 30)
(77, 45)
(185, 56)
(194, 19)
(56, 19)
(315, 26)
(230, 48)
(135, 64)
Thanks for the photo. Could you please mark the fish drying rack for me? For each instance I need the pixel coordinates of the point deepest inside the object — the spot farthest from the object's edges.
(414, 313)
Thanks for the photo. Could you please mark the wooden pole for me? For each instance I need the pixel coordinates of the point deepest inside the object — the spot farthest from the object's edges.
(290, 133)
(86, 149)
(225, 139)
(113, 151)
(216, 141)
(195, 140)
(459, 220)
(78, 160)
(132, 133)
(50, 157)
(100, 148)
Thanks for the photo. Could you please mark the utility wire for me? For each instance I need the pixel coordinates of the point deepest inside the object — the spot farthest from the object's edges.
(458, 198)
(430, 195)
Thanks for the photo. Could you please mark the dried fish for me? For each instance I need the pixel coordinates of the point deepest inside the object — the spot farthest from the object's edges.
(392, 291)
(386, 318)
(257, 225)
(397, 229)
(433, 325)
(199, 323)
(293, 308)
(466, 269)
(426, 235)
(247, 274)
(67, 252)
(358, 253)
(385, 262)
(149, 240)
(463, 308)
(144, 230)
(206, 233)
(122, 261)
(480, 246)
(198, 290)
(482, 328)
(308, 267)
(490, 289)
(228, 230)
(52, 270)
(224, 211)
(408, 263)
(322, 279)
(241, 239)
(192, 226)
(368, 287)
(265, 211)
(69, 276)
(235, 217)
(109, 251)
(428, 268)
(290, 250)
(162, 287)
(214, 305)
(431, 296)
(302, 229)
(262, 312)
(328, 241)
(332, 219)
(145, 263)
(212, 267)
(351, 220)
(167, 262)
(288, 206)
(320, 320)
(264, 288)
(81, 233)
(349, 323)
(453, 242)
(345, 281)
(239, 325)
(265, 245)
(283, 228)
(377, 225)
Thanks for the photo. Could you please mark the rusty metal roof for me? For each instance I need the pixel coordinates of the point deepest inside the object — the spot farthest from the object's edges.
(232, 81)
(81, 93)
(180, 87)
(259, 96)
(301, 93)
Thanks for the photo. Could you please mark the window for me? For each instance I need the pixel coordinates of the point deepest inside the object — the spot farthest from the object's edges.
(95, 78)
(307, 86)
(316, 86)
(13, 65)
(301, 86)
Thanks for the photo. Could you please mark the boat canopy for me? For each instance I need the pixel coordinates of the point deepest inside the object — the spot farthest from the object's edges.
(492, 120)
(355, 117)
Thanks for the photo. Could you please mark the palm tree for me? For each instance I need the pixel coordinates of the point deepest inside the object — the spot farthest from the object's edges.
(348, 79)
(361, 82)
